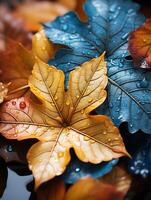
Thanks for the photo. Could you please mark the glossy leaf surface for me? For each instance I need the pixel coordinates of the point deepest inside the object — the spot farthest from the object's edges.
(62, 120)
(108, 27)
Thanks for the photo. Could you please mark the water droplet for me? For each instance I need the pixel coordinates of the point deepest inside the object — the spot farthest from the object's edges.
(67, 102)
(112, 8)
(125, 36)
(144, 172)
(119, 98)
(56, 97)
(60, 154)
(82, 111)
(90, 100)
(86, 138)
(64, 27)
(22, 105)
(104, 132)
(92, 141)
(77, 96)
(13, 103)
(43, 48)
(77, 169)
(9, 148)
(109, 140)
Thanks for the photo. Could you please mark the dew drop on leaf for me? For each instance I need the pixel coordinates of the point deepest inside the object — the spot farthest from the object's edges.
(22, 105)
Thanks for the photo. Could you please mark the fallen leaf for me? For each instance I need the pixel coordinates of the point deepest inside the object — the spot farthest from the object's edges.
(140, 45)
(128, 88)
(29, 13)
(3, 91)
(119, 178)
(52, 190)
(62, 121)
(17, 62)
(12, 28)
(91, 189)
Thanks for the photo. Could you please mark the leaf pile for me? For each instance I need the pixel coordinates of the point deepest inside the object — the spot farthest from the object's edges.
(107, 29)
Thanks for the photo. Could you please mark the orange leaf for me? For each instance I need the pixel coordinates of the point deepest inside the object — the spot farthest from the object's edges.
(35, 13)
(52, 190)
(61, 119)
(12, 28)
(119, 178)
(91, 189)
(140, 45)
(17, 62)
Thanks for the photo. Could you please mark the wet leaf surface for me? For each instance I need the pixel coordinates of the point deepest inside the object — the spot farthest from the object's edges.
(62, 120)
(128, 88)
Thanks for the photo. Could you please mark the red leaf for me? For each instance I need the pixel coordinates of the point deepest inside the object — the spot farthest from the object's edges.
(140, 45)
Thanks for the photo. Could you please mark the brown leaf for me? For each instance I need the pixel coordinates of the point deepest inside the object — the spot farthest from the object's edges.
(17, 62)
(91, 189)
(140, 45)
(35, 13)
(61, 119)
(53, 190)
(12, 28)
(119, 178)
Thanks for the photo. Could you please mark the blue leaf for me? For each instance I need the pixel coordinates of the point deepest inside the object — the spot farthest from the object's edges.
(107, 29)
(77, 169)
(140, 163)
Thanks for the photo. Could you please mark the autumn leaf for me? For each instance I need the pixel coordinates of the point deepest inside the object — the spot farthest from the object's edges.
(116, 183)
(52, 190)
(3, 91)
(140, 45)
(29, 13)
(128, 88)
(12, 28)
(17, 62)
(119, 178)
(62, 121)
(91, 189)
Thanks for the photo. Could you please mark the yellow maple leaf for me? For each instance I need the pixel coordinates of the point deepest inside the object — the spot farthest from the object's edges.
(61, 119)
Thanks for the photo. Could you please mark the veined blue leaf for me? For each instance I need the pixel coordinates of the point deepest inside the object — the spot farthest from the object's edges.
(107, 29)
